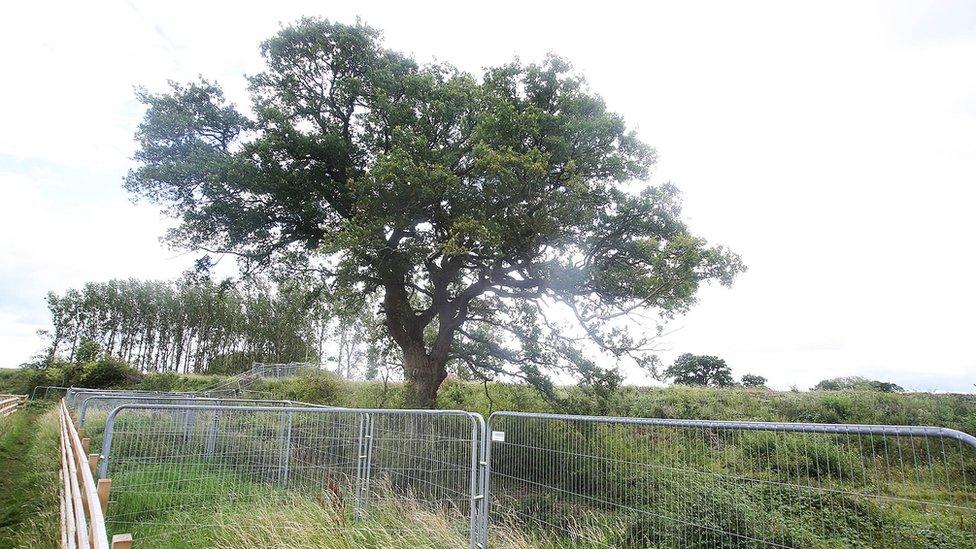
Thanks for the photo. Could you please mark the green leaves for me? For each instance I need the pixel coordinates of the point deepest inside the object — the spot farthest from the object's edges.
(460, 197)
(689, 369)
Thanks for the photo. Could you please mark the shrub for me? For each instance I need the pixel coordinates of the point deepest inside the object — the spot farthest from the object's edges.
(107, 372)
(318, 387)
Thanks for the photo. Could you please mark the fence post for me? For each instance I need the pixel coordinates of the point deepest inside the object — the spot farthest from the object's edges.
(360, 464)
(122, 541)
(486, 444)
(477, 481)
(107, 443)
(369, 460)
(82, 411)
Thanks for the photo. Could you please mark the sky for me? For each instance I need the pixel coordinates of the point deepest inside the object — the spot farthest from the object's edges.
(831, 144)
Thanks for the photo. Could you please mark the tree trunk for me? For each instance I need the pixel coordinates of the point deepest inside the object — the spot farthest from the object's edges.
(423, 376)
(422, 371)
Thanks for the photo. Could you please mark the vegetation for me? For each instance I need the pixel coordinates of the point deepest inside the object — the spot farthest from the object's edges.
(189, 507)
(187, 326)
(857, 383)
(90, 369)
(29, 484)
(708, 371)
(753, 380)
(955, 411)
(731, 506)
(472, 209)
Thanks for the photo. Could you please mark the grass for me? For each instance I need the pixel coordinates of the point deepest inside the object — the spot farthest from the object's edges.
(29, 515)
(194, 505)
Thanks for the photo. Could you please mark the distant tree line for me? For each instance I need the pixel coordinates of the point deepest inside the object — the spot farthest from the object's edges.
(712, 371)
(857, 383)
(188, 325)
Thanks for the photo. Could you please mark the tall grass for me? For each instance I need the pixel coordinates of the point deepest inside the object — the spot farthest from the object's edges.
(197, 505)
(29, 485)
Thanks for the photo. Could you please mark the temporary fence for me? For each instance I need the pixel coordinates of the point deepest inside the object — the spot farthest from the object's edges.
(174, 466)
(90, 405)
(288, 369)
(10, 403)
(82, 502)
(241, 383)
(557, 480)
(48, 391)
(75, 394)
(629, 482)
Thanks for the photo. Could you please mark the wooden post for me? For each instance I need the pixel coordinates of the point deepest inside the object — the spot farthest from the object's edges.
(93, 462)
(84, 445)
(104, 486)
(122, 541)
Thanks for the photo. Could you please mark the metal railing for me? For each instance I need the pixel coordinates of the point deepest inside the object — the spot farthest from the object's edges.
(90, 404)
(48, 391)
(73, 395)
(172, 466)
(287, 369)
(629, 482)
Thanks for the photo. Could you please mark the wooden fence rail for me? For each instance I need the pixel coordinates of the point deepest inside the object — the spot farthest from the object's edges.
(10, 403)
(83, 502)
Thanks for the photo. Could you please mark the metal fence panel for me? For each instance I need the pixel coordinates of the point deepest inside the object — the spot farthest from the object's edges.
(73, 395)
(48, 391)
(92, 406)
(173, 465)
(586, 481)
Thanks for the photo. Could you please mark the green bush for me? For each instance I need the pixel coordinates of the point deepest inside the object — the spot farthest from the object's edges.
(107, 372)
(317, 387)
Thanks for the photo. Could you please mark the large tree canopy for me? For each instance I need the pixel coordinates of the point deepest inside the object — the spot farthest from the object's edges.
(483, 212)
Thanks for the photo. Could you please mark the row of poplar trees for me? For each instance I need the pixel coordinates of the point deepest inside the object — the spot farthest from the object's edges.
(187, 325)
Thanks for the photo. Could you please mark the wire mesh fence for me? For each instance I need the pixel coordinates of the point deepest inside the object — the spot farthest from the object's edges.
(74, 395)
(241, 383)
(288, 369)
(93, 409)
(176, 468)
(586, 481)
(555, 480)
(45, 392)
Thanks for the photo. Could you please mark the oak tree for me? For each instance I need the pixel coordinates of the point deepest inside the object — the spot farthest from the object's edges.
(483, 212)
(704, 370)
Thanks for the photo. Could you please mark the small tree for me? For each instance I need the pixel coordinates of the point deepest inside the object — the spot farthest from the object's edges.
(753, 380)
(710, 371)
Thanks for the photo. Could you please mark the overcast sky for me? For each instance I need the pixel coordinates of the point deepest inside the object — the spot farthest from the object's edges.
(832, 144)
